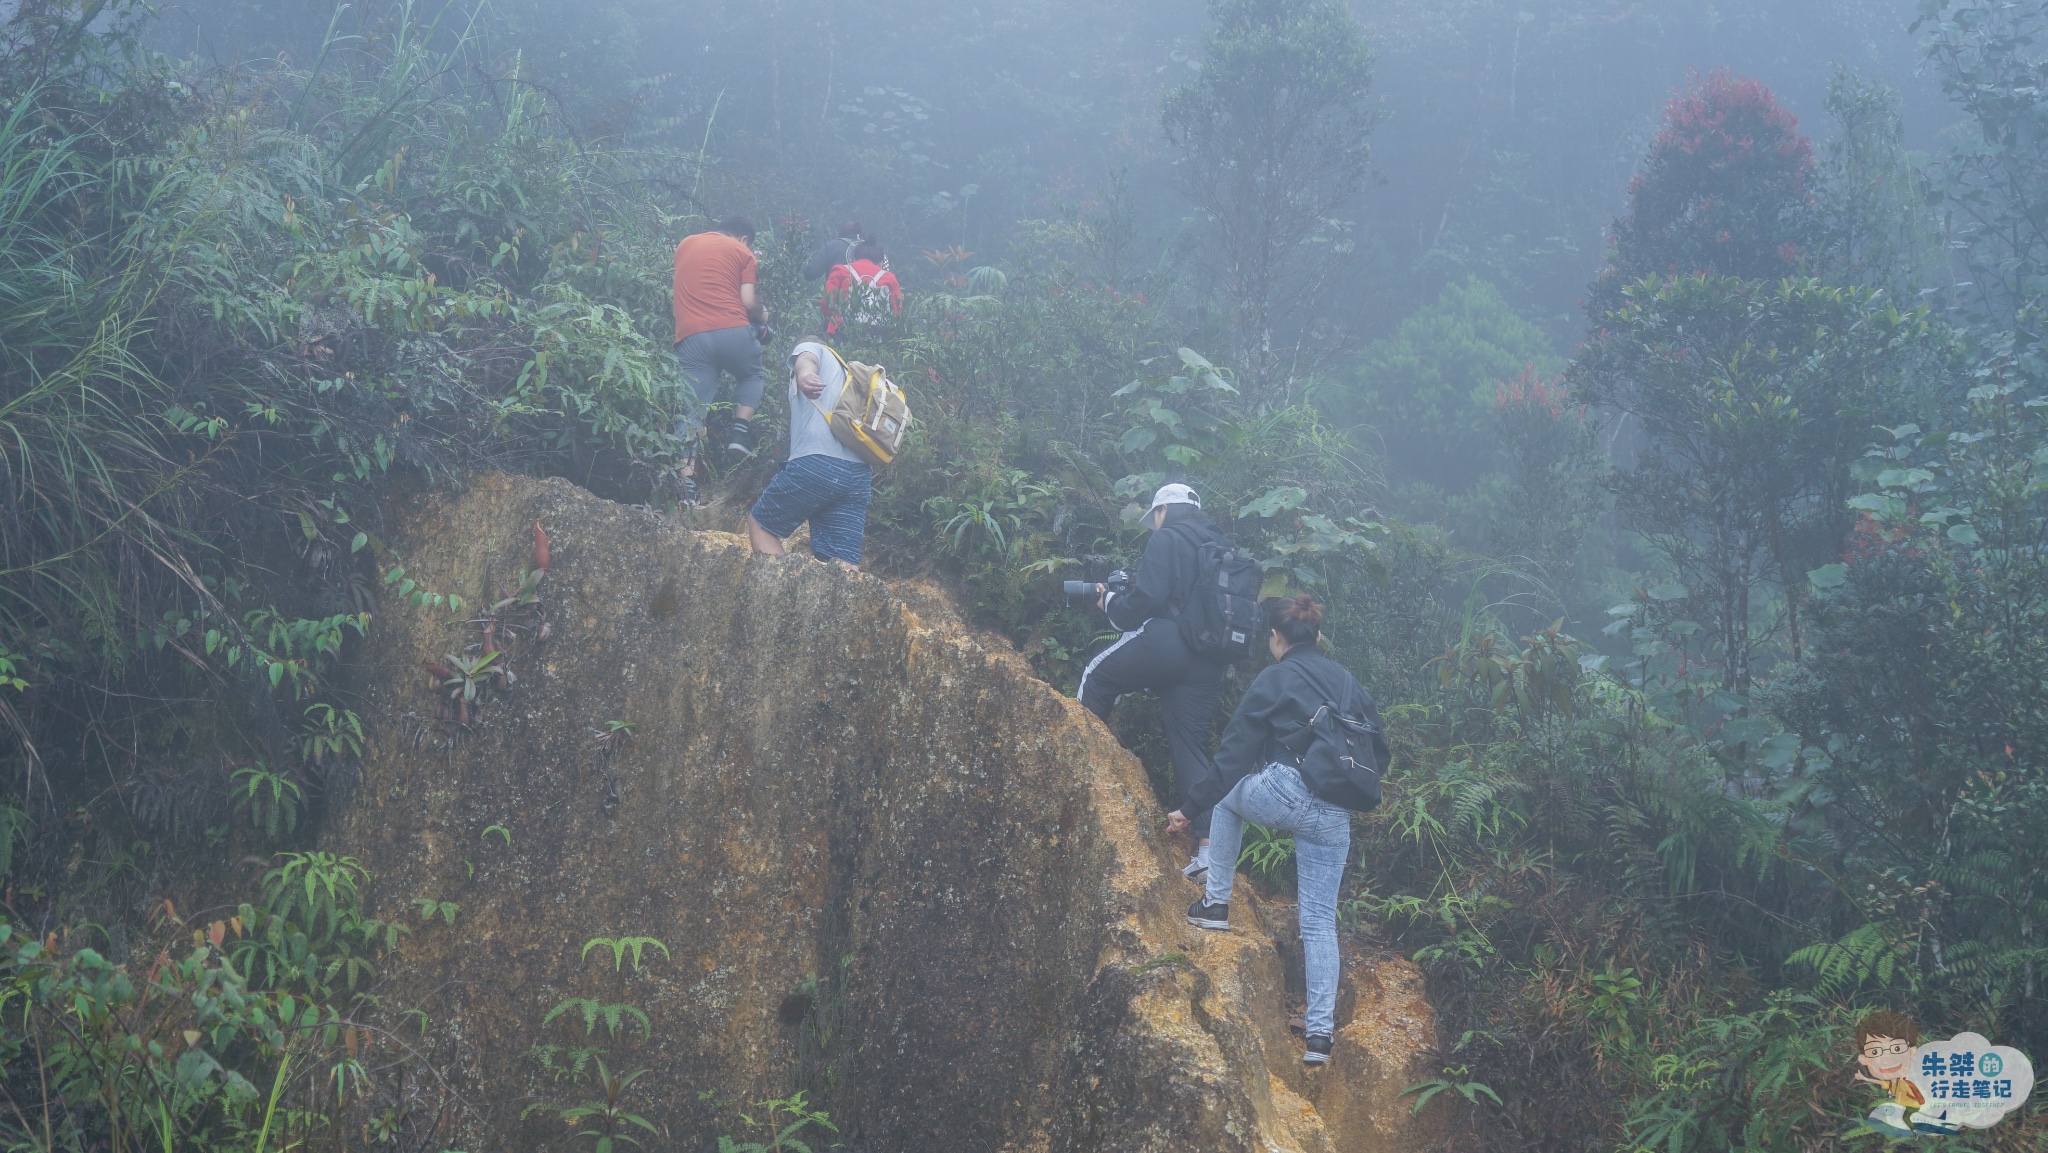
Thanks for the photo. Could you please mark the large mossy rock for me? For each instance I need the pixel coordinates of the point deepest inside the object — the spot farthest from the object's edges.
(885, 863)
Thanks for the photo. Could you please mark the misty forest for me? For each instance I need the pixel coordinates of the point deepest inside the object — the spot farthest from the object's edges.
(1654, 393)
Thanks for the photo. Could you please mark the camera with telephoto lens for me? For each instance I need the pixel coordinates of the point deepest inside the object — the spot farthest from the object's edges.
(1085, 592)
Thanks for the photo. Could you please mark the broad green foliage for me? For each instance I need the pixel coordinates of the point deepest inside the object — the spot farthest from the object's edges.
(1752, 397)
(249, 1033)
(1050, 408)
(781, 1125)
(1935, 639)
(1424, 396)
(222, 338)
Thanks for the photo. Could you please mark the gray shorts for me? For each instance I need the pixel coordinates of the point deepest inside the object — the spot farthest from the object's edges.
(703, 355)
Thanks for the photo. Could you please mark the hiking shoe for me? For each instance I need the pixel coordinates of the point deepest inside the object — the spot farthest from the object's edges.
(1197, 865)
(691, 498)
(1318, 1051)
(1204, 915)
(741, 442)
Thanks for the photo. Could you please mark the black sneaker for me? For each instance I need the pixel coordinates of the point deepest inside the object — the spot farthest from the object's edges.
(691, 497)
(741, 442)
(1204, 915)
(1318, 1051)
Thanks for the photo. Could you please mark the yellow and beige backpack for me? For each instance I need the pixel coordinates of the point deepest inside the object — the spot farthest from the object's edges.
(872, 417)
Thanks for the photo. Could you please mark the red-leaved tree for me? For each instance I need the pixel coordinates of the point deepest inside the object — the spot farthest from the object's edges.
(1726, 189)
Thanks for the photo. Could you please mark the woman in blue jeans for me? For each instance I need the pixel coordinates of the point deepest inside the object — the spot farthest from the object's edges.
(1257, 780)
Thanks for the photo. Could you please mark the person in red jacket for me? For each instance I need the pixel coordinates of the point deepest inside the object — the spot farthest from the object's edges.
(863, 292)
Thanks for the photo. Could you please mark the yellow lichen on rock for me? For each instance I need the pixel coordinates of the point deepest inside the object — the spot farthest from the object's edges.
(884, 861)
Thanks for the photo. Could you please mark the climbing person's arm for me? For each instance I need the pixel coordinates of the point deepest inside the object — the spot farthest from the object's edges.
(1152, 593)
(808, 381)
(750, 293)
(1244, 742)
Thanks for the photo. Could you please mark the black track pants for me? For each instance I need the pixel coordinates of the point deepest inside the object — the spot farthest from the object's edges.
(1155, 657)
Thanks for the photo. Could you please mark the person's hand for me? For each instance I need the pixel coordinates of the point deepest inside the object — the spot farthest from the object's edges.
(1101, 598)
(810, 384)
(1177, 821)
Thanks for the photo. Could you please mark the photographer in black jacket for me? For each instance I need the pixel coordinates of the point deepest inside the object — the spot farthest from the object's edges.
(1155, 652)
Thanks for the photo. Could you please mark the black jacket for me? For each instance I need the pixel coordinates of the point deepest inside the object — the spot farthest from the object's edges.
(1280, 701)
(1166, 573)
(835, 251)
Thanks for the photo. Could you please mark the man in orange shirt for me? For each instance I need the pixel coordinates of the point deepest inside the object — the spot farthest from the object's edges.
(720, 325)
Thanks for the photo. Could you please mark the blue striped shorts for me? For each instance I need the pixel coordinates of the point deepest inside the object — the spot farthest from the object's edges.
(831, 493)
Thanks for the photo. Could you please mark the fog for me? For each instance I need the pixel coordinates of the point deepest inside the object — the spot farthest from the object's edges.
(1644, 402)
(1509, 135)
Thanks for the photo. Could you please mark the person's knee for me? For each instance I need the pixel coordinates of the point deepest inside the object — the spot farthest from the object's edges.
(1095, 698)
(762, 540)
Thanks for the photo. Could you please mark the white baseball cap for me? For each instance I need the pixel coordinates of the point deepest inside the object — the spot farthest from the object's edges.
(1175, 494)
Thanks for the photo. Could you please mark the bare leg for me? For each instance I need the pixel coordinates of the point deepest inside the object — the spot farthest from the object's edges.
(743, 413)
(763, 540)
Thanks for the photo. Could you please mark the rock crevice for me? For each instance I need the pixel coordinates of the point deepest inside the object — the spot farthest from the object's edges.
(884, 863)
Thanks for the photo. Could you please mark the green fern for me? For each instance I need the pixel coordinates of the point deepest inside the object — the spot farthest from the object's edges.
(613, 1016)
(1868, 955)
(429, 908)
(622, 946)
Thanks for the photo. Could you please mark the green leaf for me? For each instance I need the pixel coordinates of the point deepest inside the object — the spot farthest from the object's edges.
(356, 545)
(1728, 704)
(1670, 591)
(1964, 534)
(1275, 501)
(1780, 751)
(1828, 576)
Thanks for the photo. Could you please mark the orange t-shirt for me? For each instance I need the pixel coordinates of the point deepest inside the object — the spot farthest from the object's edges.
(710, 267)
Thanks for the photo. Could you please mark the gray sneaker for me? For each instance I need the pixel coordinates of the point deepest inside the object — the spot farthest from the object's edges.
(741, 442)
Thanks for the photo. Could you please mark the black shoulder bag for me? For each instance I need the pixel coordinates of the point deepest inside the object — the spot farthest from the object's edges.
(1340, 757)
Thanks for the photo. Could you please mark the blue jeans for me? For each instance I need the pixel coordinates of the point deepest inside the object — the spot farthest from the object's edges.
(701, 356)
(831, 493)
(1276, 798)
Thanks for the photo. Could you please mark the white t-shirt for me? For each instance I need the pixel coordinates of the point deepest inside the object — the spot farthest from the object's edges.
(809, 434)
